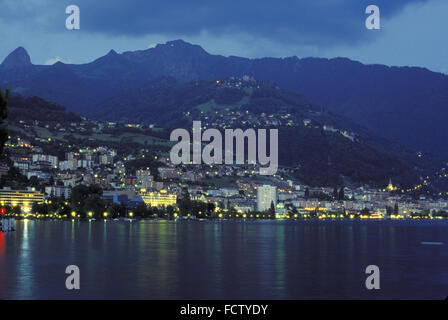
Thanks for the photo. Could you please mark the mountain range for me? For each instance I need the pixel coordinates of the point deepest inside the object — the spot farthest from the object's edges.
(405, 104)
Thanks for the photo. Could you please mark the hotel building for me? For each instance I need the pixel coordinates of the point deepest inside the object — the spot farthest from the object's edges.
(266, 194)
(23, 198)
(158, 199)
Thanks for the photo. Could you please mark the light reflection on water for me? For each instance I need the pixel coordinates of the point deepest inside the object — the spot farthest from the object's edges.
(224, 260)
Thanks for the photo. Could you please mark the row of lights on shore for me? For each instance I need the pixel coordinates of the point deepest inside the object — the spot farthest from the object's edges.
(90, 214)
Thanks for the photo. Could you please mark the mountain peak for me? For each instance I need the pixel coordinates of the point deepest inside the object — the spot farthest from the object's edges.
(179, 42)
(112, 52)
(18, 58)
(181, 45)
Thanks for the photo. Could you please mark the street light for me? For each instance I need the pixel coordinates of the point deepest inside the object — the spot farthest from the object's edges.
(90, 213)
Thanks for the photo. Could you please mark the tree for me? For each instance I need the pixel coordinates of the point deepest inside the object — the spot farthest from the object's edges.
(396, 209)
(389, 210)
(42, 209)
(307, 193)
(210, 207)
(34, 181)
(116, 210)
(16, 210)
(170, 212)
(95, 205)
(335, 193)
(185, 204)
(294, 211)
(272, 210)
(87, 199)
(365, 211)
(141, 210)
(341, 194)
(3, 116)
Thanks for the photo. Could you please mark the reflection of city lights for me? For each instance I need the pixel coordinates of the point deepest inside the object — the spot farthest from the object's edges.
(2, 244)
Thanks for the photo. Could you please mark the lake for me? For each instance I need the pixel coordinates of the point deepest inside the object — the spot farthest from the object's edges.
(225, 259)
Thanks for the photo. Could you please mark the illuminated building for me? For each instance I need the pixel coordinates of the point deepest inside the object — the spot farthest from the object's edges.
(158, 199)
(390, 186)
(23, 198)
(266, 195)
(167, 173)
(144, 178)
(58, 191)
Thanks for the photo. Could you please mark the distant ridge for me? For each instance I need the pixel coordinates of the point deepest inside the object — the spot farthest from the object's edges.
(406, 104)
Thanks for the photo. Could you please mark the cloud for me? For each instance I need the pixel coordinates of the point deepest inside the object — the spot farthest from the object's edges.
(412, 30)
(415, 37)
(307, 22)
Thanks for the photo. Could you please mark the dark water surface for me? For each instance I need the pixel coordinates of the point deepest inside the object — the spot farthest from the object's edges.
(225, 260)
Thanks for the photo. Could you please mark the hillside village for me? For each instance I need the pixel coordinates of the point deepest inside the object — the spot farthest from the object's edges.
(31, 175)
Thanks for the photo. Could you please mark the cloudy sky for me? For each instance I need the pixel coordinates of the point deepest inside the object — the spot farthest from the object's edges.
(413, 32)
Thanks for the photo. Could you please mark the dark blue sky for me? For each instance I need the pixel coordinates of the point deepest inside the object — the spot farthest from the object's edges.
(413, 31)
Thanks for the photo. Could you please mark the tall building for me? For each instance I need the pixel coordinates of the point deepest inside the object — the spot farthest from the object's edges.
(266, 194)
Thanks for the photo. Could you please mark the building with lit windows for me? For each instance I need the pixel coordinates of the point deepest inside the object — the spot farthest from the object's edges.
(391, 187)
(144, 178)
(266, 195)
(23, 198)
(158, 199)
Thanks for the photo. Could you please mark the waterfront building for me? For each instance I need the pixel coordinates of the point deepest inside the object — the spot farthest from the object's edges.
(23, 198)
(266, 195)
(158, 199)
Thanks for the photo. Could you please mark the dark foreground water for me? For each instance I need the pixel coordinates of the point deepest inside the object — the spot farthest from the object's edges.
(225, 260)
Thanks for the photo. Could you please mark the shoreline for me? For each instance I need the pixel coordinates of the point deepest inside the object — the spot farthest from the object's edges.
(121, 219)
